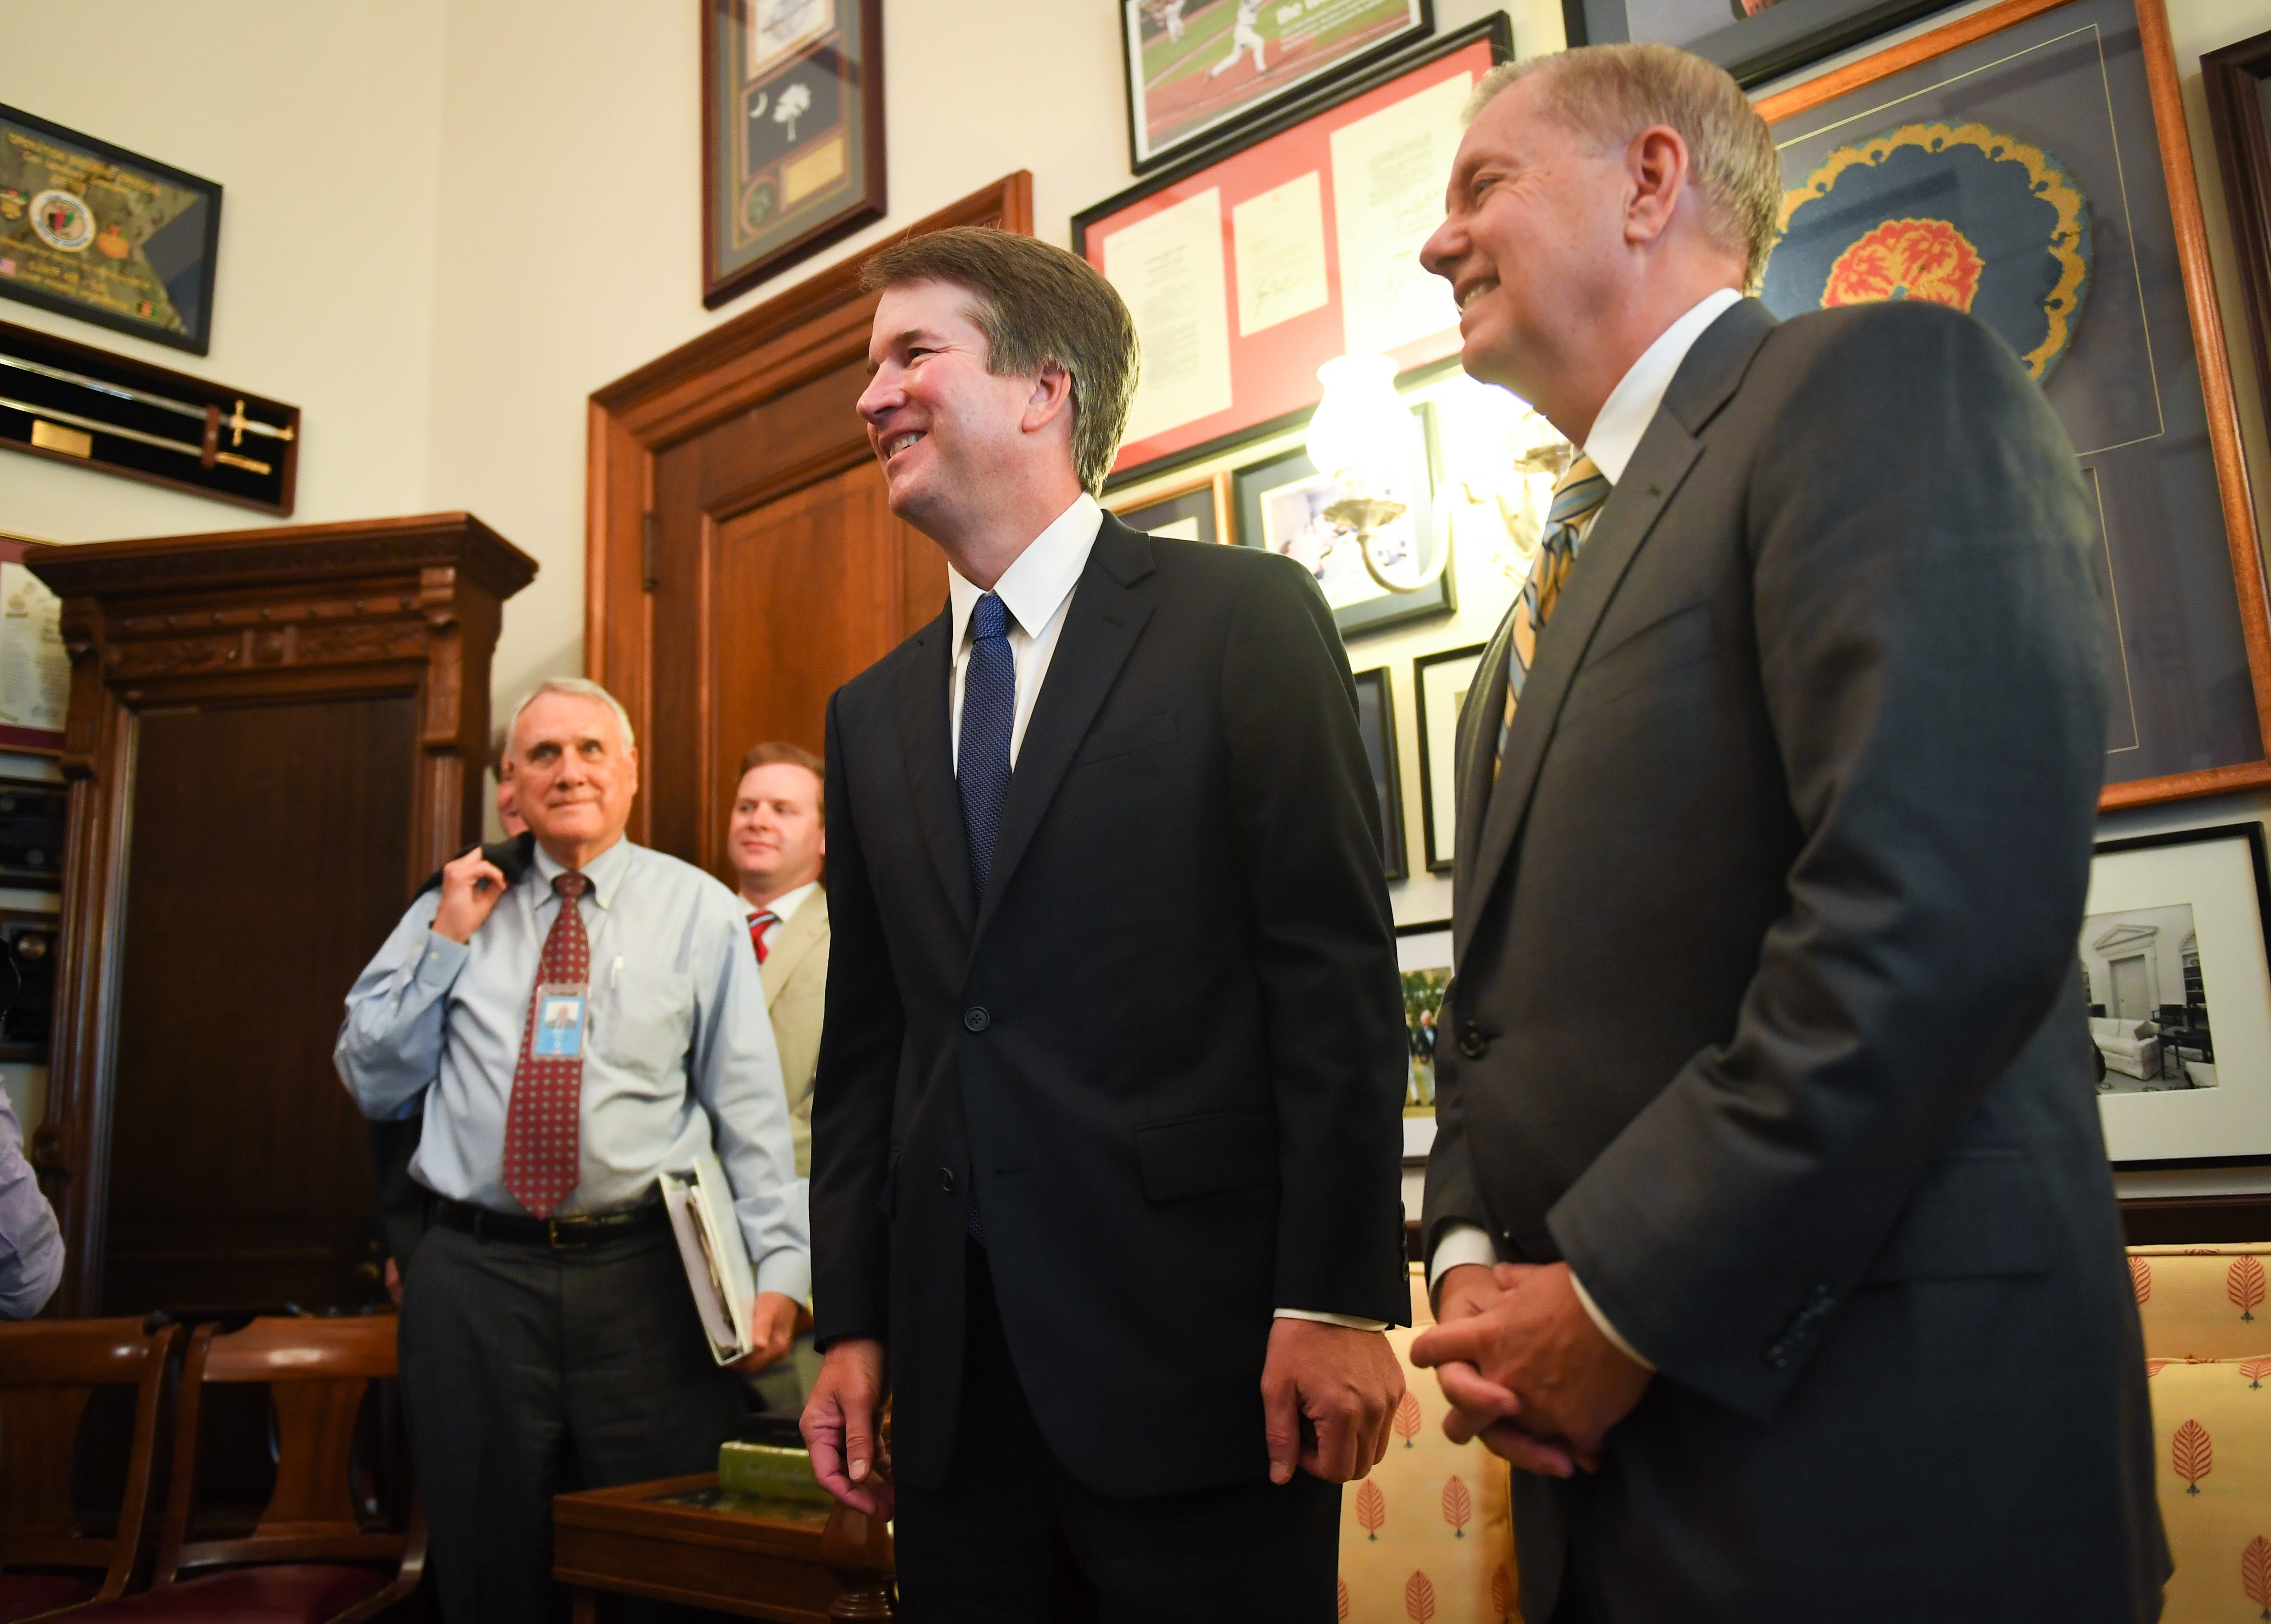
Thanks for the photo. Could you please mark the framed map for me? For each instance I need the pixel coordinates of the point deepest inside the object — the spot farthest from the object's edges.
(91, 230)
(791, 134)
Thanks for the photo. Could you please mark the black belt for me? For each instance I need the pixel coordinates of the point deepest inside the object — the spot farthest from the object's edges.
(560, 1234)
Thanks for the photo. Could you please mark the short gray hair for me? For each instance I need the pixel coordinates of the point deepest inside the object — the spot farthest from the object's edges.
(575, 688)
(1609, 93)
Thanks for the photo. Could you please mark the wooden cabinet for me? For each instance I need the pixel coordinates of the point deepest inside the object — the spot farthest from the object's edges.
(274, 735)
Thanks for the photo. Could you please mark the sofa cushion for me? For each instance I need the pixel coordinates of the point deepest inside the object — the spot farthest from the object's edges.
(1429, 1534)
(2212, 1434)
(286, 1593)
(2203, 1302)
(27, 1595)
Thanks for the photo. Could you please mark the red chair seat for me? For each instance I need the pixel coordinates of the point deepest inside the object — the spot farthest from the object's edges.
(289, 1593)
(27, 1595)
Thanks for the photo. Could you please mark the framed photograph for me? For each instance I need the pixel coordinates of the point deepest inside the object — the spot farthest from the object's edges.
(2237, 83)
(33, 814)
(1194, 68)
(791, 134)
(24, 1026)
(1423, 953)
(1442, 680)
(1281, 507)
(1198, 511)
(1754, 39)
(2177, 971)
(2028, 163)
(1375, 719)
(91, 230)
(1250, 265)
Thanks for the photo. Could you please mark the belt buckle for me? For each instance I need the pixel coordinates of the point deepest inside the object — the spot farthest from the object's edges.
(557, 1233)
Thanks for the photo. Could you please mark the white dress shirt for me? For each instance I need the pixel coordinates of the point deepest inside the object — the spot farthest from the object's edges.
(783, 908)
(678, 1054)
(1036, 590)
(1624, 417)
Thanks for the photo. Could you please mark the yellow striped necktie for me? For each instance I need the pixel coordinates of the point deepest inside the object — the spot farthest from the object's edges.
(1577, 495)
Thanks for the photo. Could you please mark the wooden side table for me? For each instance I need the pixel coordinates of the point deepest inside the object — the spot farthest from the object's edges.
(681, 1539)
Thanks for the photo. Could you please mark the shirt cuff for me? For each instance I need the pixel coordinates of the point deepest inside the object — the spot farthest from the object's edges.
(439, 965)
(788, 1271)
(1459, 1243)
(1607, 1330)
(1348, 1321)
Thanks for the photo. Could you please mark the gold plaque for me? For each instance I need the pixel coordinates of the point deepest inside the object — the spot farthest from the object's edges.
(55, 437)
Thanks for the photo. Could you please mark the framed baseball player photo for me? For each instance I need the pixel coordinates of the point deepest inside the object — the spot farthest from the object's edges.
(1197, 69)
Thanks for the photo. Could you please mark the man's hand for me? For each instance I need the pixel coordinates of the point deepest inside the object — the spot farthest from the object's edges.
(772, 1328)
(1345, 1383)
(1530, 1374)
(471, 888)
(840, 1429)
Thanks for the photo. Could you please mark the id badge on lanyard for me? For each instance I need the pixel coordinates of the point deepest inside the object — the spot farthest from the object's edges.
(560, 1008)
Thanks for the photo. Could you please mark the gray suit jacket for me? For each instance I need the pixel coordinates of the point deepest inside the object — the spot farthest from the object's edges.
(1766, 1016)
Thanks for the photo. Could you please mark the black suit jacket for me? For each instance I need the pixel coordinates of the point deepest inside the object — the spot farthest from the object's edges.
(1766, 1016)
(1165, 1048)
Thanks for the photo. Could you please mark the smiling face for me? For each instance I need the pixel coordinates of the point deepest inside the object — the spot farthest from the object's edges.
(1532, 242)
(775, 839)
(942, 425)
(572, 777)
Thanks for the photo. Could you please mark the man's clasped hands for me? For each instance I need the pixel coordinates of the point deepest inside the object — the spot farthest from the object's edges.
(1525, 1367)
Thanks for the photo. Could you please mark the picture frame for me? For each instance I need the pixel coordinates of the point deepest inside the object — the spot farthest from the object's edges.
(35, 665)
(2175, 952)
(791, 134)
(93, 231)
(1250, 265)
(1197, 510)
(1423, 963)
(24, 1025)
(34, 816)
(1280, 502)
(1755, 39)
(2236, 78)
(1375, 724)
(1440, 682)
(2099, 274)
(1172, 52)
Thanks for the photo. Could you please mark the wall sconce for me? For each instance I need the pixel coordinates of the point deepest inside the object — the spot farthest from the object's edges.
(1363, 438)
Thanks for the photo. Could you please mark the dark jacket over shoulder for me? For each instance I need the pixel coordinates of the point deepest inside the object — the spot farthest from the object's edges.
(1165, 1048)
(1767, 1017)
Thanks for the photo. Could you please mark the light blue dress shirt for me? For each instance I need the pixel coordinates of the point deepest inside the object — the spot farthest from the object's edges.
(678, 1054)
(31, 1246)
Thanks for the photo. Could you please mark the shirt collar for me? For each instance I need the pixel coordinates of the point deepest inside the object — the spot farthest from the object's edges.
(784, 906)
(606, 871)
(1035, 585)
(1631, 405)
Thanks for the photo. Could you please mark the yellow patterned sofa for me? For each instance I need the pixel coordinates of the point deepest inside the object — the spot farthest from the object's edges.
(1428, 1537)
(2207, 1349)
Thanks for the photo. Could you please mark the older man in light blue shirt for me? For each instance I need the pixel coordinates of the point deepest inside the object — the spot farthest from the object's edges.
(550, 1338)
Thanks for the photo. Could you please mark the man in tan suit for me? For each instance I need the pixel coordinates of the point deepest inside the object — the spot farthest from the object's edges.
(777, 841)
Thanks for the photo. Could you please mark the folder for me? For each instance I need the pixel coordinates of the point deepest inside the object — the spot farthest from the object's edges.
(717, 1258)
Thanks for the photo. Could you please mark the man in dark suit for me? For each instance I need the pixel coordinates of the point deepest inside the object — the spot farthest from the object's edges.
(1768, 1213)
(1105, 1139)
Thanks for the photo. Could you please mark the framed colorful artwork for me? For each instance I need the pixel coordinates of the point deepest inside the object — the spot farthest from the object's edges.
(791, 134)
(1248, 268)
(94, 231)
(1282, 502)
(1422, 958)
(1198, 69)
(1754, 39)
(1441, 681)
(2176, 966)
(2028, 163)
(1375, 721)
(1197, 511)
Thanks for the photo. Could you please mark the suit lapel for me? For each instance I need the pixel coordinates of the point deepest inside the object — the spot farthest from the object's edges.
(1107, 615)
(796, 940)
(1707, 378)
(930, 762)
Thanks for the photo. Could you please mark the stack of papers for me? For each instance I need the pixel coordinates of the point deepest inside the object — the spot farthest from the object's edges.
(717, 1258)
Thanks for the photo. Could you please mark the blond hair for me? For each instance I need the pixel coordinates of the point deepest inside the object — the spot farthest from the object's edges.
(1609, 93)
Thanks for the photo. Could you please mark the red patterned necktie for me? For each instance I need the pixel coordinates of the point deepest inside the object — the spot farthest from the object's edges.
(540, 1125)
(760, 923)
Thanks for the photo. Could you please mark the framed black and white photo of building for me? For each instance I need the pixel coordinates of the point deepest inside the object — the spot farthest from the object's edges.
(1375, 721)
(1442, 680)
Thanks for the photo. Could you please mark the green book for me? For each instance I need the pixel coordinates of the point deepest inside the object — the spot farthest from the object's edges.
(768, 1472)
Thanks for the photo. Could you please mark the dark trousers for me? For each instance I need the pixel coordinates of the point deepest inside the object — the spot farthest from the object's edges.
(1011, 1537)
(527, 1372)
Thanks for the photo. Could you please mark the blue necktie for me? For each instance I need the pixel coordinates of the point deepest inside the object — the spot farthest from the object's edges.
(989, 701)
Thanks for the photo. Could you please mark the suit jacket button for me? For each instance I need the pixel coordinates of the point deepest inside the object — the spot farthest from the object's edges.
(946, 1179)
(975, 1018)
(1472, 1043)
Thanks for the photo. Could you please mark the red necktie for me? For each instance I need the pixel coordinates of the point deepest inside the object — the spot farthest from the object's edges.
(547, 1092)
(760, 923)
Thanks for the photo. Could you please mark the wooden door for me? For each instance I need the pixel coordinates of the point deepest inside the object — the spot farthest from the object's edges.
(742, 563)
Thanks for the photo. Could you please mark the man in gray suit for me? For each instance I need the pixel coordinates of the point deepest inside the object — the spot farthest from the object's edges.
(1769, 1215)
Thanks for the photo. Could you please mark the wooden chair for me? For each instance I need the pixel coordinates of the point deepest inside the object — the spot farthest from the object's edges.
(48, 1371)
(309, 1559)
